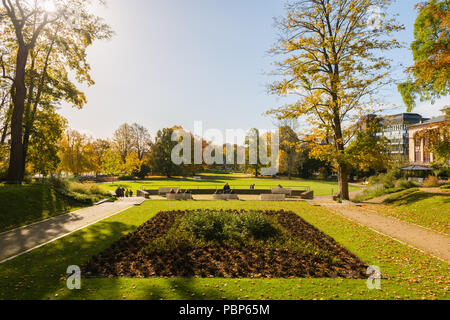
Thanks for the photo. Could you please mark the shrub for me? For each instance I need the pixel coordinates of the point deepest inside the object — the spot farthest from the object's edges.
(431, 182)
(405, 184)
(386, 179)
(256, 225)
(57, 183)
(375, 192)
(81, 198)
(222, 226)
(208, 226)
(86, 188)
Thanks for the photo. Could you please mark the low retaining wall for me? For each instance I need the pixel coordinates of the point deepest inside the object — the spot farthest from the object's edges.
(295, 193)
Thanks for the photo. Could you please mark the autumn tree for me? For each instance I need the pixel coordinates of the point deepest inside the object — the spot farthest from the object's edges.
(252, 157)
(161, 155)
(367, 151)
(100, 149)
(429, 77)
(133, 164)
(112, 163)
(289, 146)
(124, 140)
(76, 153)
(42, 49)
(332, 61)
(45, 142)
(142, 140)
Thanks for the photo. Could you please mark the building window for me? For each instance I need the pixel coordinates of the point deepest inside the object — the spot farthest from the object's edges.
(427, 154)
(417, 150)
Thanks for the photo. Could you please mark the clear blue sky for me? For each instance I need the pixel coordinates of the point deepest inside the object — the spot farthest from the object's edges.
(173, 62)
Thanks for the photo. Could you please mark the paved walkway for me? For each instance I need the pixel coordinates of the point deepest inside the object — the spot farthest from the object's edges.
(424, 239)
(22, 240)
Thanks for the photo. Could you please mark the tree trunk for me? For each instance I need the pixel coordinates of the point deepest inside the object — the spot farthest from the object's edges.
(16, 166)
(343, 181)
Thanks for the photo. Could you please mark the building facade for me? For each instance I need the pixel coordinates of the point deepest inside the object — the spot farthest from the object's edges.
(396, 129)
(418, 151)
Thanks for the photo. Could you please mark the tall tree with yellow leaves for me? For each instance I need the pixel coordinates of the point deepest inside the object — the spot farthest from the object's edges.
(429, 77)
(331, 59)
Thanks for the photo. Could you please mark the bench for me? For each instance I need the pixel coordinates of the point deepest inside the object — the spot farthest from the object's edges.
(138, 203)
(179, 196)
(273, 197)
(102, 202)
(307, 195)
(166, 190)
(143, 194)
(225, 197)
(287, 192)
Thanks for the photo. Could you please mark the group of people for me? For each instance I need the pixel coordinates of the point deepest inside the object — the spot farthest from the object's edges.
(123, 193)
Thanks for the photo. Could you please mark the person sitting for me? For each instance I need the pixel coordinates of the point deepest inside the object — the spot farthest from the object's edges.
(252, 187)
(226, 189)
(280, 186)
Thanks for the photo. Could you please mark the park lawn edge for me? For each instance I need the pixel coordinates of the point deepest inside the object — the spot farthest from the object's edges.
(23, 219)
(320, 187)
(428, 212)
(41, 274)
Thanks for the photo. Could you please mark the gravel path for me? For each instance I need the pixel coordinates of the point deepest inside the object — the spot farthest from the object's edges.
(19, 241)
(430, 242)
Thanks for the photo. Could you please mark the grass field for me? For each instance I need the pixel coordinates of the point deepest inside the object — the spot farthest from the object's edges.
(41, 274)
(425, 209)
(22, 205)
(218, 181)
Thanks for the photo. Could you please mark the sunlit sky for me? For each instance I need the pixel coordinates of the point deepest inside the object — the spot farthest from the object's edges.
(173, 62)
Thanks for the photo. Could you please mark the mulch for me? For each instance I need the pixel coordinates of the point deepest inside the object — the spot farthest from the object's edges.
(125, 258)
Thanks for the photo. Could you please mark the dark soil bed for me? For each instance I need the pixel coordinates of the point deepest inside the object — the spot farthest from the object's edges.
(126, 258)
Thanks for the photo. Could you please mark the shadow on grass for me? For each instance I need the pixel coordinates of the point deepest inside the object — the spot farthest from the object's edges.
(42, 272)
(187, 289)
(413, 197)
(22, 205)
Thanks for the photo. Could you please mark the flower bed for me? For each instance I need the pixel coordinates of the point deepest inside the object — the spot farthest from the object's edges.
(228, 244)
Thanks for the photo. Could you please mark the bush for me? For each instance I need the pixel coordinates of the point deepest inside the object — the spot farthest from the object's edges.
(84, 193)
(256, 225)
(86, 188)
(375, 192)
(222, 226)
(405, 184)
(57, 183)
(431, 182)
(81, 198)
(386, 179)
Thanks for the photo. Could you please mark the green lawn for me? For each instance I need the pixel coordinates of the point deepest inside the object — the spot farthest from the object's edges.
(22, 205)
(218, 181)
(425, 209)
(40, 274)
